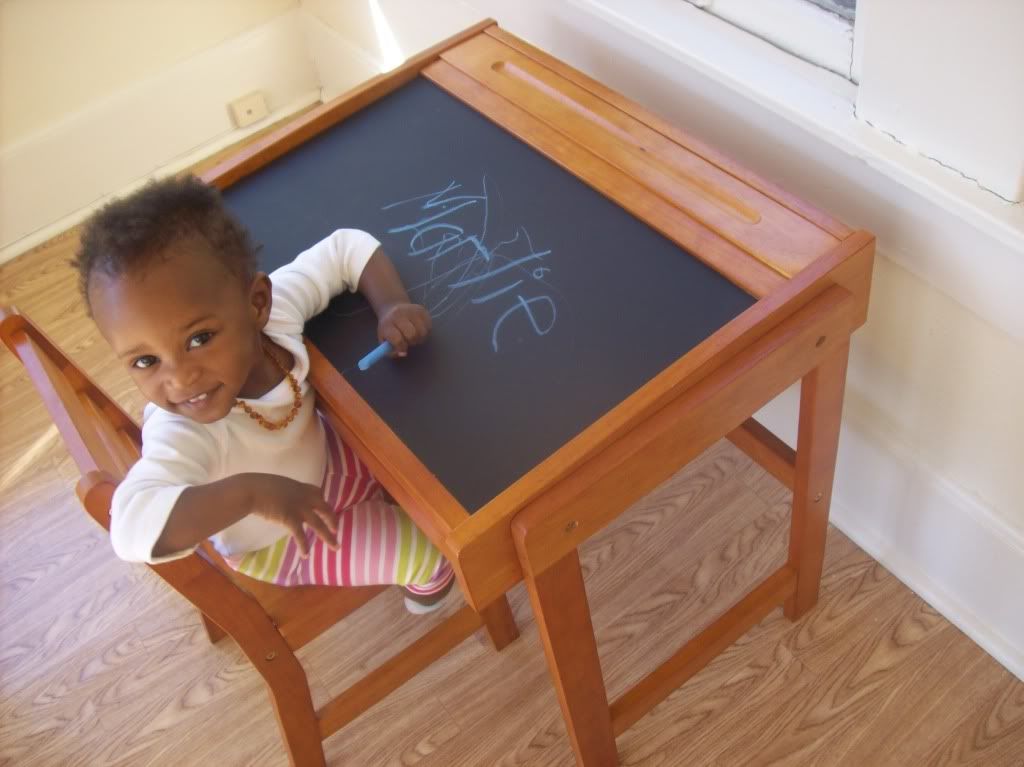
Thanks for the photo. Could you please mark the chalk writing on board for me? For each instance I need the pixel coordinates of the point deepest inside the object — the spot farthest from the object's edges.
(468, 266)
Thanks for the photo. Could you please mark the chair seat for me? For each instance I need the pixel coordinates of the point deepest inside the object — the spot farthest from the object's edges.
(301, 613)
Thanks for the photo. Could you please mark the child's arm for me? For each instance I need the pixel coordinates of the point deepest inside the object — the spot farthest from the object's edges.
(203, 510)
(399, 321)
(167, 504)
(347, 260)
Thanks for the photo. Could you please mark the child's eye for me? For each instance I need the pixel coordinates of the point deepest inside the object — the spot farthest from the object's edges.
(141, 363)
(199, 339)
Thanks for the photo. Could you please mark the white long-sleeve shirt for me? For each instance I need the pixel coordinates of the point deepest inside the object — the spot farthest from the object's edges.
(178, 453)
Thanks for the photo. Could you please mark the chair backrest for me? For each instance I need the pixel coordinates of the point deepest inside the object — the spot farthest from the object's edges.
(104, 442)
(98, 434)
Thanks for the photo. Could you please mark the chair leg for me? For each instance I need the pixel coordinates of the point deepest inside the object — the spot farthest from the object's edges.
(500, 623)
(821, 405)
(213, 632)
(289, 693)
(559, 602)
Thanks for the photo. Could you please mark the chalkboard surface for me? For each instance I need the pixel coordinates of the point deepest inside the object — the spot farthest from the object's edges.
(550, 303)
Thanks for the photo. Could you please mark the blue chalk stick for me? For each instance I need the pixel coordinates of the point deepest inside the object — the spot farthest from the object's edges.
(376, 355)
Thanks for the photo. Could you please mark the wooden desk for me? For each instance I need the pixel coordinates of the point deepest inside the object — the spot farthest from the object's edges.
(807, 278)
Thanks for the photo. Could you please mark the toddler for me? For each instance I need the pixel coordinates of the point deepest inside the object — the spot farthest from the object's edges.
(233, 449)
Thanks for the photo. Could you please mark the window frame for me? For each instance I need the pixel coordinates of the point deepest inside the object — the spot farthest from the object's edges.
(798, 27)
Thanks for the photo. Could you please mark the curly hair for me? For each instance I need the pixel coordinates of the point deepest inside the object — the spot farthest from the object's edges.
(128, 233)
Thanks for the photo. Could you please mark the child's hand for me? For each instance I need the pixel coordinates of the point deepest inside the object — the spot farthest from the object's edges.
(293, 505)
(403, 325)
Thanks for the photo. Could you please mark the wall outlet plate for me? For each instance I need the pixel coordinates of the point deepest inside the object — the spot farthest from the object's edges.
(248, 109)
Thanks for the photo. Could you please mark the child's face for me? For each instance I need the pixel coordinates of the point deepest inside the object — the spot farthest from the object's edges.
(188, 330)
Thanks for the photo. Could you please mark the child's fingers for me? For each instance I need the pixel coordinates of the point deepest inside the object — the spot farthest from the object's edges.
(295, 528)
(408, 330)
(330, 521)
(319, 527)
(420, 319)
(320, 507)
(419, 323)
(326, 513)
(393, 336)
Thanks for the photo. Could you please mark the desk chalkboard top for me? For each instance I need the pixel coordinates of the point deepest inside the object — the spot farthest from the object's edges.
(569, 245)
(550, 303)
(573, 247)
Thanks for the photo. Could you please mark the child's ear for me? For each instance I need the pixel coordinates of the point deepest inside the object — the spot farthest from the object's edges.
(260, 299)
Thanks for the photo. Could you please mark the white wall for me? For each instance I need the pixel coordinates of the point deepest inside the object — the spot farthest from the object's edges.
(58, 56)
(390, 30)
(955, 92)
(97, 96)
(357, 39)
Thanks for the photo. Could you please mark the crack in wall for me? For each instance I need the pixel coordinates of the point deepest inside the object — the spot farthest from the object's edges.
(706, 6)
(959, 172)
(853, 47)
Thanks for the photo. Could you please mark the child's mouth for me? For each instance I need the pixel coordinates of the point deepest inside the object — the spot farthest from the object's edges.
(200, 401)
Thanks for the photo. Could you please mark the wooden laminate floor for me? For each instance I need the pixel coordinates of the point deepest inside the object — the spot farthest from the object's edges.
(100, 664)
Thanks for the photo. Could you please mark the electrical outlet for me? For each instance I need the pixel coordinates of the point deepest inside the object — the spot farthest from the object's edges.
(248, 109)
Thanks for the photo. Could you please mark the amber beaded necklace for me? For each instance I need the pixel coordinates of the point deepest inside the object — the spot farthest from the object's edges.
(296, 404)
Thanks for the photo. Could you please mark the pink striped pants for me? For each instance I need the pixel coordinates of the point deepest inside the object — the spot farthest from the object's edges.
(377, 542)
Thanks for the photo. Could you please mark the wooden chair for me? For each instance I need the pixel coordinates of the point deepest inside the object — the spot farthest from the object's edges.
(268, 622)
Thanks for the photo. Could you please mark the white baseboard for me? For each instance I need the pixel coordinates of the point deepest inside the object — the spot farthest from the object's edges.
(952, 600)
(54, 178)
(943, 543)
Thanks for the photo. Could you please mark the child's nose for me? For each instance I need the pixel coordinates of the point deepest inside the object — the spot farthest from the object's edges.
(182, 377)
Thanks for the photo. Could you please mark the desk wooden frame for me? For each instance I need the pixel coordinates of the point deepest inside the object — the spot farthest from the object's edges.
(810, 275)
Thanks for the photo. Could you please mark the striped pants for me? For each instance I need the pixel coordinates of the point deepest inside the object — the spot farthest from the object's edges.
(377, 542)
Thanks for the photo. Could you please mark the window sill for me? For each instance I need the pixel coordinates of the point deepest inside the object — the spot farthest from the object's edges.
(798, 27)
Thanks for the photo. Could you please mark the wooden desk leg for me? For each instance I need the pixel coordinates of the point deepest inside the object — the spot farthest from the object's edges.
(213, 632)
(563, 617)
(500, 623)
(821, 406)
